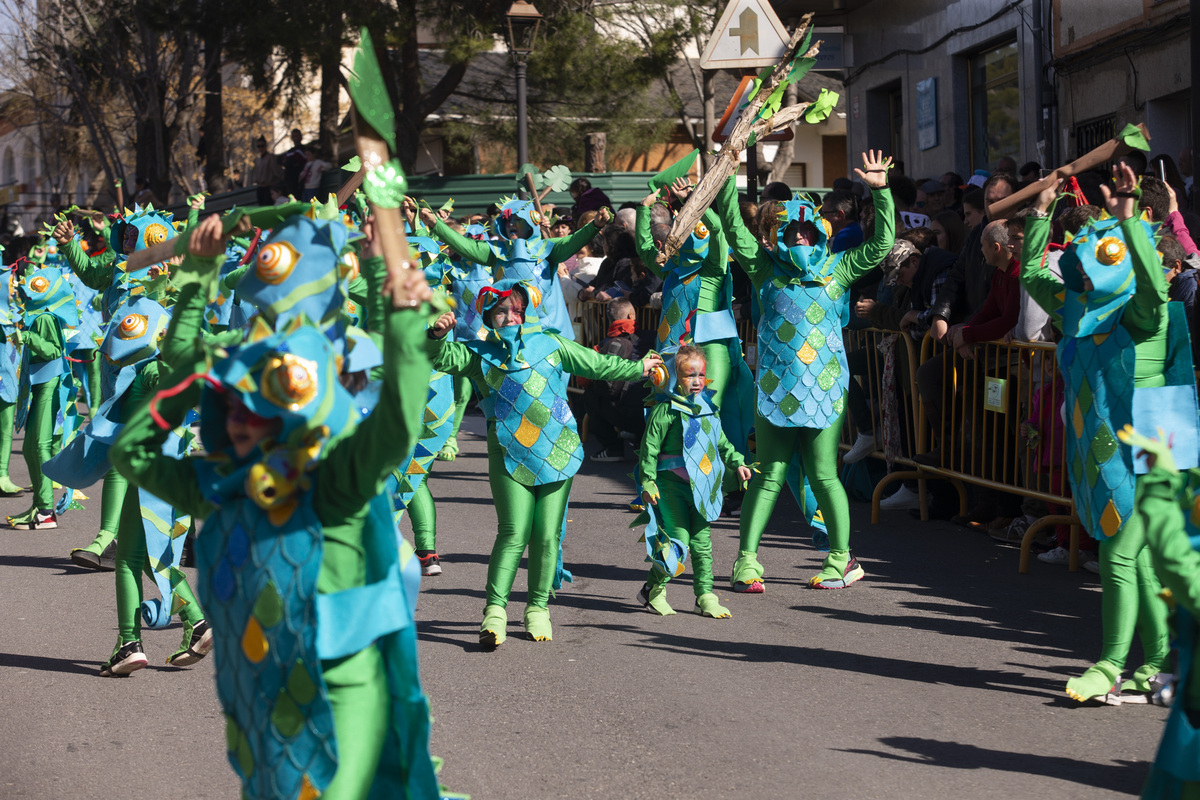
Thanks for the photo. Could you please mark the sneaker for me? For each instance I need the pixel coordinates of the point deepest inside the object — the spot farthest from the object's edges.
(197, 641)
(430, 564)
(863, 446)
(125, 659)
(1092, 566)
(903, 498)
(1012, 533)
(34, 520)
(852, 574)
(104, 562)
(1059, 556)
(605, 455)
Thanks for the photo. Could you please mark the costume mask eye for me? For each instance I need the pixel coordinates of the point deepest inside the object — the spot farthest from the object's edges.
(134, 326)
(276, 262)
(289, 381)
(154, 234)
(39, 284)
(1110, 250)
(350, 261)
(701, 230)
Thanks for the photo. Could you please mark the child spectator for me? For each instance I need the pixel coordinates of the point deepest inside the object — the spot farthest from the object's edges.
(616, 407)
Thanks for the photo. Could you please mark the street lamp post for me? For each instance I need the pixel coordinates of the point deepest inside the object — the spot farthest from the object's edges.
(523, 23)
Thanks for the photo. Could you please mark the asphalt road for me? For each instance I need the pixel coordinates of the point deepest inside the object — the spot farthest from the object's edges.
(940, 674)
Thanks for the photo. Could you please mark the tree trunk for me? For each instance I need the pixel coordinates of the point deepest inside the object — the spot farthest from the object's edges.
(710, 117)
(594, 145)
(331, 84)
(212, 129)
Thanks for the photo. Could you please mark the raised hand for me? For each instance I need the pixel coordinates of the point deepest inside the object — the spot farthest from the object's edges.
(875, 167)
(64, 232)
(1121, 202)
(681, 188)
(208, 240)
(650, 199)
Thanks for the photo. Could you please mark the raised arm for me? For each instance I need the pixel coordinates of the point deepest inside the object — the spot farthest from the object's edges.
(643, 241)
(753, 257)
(1147, 309)
(470, 249)
(1041, 284)
(860, 260)
(354, 468)
(94, 272)
(568, 246)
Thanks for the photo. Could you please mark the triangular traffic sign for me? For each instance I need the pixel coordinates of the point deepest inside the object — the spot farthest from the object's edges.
(749, 34)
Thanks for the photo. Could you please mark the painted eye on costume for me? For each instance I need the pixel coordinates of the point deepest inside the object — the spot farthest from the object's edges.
(39, 284)
(535, 296)
(535, 216)
(350, 261)
(701, 230)
(154, 234)
(658, 376)
(289, 381)
(134, 326)
(276, 262)
(347, 220)
(1110, 250)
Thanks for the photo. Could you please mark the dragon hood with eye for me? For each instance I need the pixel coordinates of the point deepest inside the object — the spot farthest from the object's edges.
(1101, 252)
(140, 229)
(48, 291)
(809, 262)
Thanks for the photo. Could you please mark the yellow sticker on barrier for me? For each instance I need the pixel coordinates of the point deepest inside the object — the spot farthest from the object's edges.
(995, 395)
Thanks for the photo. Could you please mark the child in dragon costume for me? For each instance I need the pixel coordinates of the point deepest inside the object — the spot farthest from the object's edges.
(803, 293)
(683, 463)
(90, 330)
(47, 392)
(522, 254)
(467, 278)
(1120, 349)
(534, 451)
(105, 273)
(1168, 505)
(151, 533)
(310, 590)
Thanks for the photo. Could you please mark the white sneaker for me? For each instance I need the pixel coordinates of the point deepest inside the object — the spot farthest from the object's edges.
(902, 499)
(1059, 555)
(863, 446)
(1092, 566)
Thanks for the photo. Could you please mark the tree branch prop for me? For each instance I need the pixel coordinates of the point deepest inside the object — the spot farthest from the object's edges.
(1132, 137)
(748, 128)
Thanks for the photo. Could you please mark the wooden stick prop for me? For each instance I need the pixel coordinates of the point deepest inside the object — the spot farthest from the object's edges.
(120, 195)
(350, 186)
(1113, 148)
(748, 125)
(235, 223)
(537, 198)
(383, 180)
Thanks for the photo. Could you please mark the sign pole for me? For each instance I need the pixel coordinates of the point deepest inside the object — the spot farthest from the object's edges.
(752, 173)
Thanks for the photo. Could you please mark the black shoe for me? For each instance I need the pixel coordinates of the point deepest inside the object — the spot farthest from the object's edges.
(188, 557)
(105, 562)
(197, 641)
(128, 658)
(608, 455)
(643, 595)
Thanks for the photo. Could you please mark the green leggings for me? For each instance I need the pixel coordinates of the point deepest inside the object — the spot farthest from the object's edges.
(682, 521)
(818, 462)
(89, 370)
(462, 396)
(526, 516)
(358, 692)
(39, 441)
(719, 368)
(131, 560)
(1130, 599)
(111, 500)
(422, 513)
(8, 412)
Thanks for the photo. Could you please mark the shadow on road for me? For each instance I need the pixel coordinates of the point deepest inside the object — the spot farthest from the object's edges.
(1122, 776)
(46, 664)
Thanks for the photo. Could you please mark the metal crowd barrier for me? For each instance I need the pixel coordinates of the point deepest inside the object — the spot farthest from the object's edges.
(985, 400)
